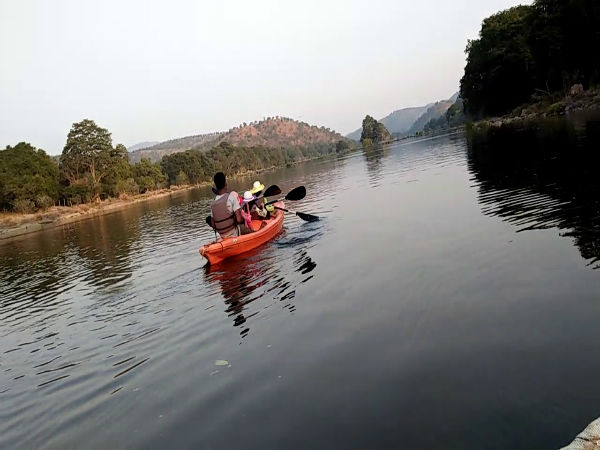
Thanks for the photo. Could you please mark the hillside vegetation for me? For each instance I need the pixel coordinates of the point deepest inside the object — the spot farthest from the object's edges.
(91, 168)
(156, 152)
(373, 132)
(530, 52)
(435, 111)
(273, 132)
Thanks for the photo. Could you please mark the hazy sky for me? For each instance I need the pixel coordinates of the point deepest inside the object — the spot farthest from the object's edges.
(151, 70)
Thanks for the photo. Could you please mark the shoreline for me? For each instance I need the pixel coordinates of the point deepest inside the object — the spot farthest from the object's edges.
(585, 101)
(13, 224)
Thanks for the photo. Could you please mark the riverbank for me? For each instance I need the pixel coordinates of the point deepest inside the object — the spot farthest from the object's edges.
(15, 224)
(549, 106)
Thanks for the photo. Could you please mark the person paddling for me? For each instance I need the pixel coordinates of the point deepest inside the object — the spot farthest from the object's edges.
(257, 206)
(226, 210)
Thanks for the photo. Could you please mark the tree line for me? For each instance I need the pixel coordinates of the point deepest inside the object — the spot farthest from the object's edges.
(90, 168)
(531, 51)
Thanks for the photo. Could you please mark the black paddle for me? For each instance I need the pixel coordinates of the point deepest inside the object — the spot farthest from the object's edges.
(208, 221)
(295, 194)
(271, 191)
(303, 216)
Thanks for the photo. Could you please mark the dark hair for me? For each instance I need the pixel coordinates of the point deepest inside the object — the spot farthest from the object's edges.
(219, 180)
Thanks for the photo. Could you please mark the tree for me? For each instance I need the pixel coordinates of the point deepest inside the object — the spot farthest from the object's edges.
(87, 155)
(119, 171)
(148, 175)
(27, 175)
(499, 64)
(528, 51)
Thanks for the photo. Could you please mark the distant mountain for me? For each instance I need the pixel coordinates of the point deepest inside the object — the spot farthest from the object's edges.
(433, 112)
(398, 122)
(274, 132)
(141, 145)
(402, 121)
(157, 151)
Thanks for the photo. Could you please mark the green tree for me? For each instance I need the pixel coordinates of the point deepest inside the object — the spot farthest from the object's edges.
(87, 155)
(341, 146)
(182, 179)
(119, 171)
(27, 176)
(530, 51)
(498, 74)
(148, 175)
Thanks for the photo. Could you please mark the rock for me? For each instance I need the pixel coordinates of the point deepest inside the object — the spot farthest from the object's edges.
(587, 439)
(576, 89)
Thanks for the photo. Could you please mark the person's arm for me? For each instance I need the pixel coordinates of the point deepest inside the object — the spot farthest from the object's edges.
(236, 208)
(212, 222)
(238, 216)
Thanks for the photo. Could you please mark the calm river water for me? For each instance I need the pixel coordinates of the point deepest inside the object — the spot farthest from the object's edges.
(448, 298)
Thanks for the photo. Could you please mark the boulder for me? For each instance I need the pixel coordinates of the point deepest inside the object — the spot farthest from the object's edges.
(576, 89)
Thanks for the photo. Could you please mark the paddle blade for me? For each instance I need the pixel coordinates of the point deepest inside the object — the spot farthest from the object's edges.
(296, 194)
(209, 221)
(307, 217)
(272, 190)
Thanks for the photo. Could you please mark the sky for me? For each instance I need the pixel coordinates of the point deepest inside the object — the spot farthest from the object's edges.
(152, 71)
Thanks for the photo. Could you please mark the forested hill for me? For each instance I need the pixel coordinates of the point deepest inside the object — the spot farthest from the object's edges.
(435, 111)
(141, 145)
(280, 132)
(156, 152)
(273, 132)
(398, 122)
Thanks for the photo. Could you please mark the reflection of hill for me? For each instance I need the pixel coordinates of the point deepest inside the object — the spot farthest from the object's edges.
(541, 175)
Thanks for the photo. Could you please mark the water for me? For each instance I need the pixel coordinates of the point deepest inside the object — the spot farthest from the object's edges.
(448, 298)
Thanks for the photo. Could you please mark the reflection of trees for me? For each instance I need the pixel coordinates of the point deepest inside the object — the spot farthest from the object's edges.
(105, 246)
(244, 280)
(542, 174)
(374, 156)
(38, 267)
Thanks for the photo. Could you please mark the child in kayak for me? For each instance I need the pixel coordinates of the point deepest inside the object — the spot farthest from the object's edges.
(257, 207)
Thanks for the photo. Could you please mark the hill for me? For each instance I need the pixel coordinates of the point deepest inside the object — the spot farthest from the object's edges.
(141, 145)
(273, 132)
(280, 132)
(398, 122)
(435, 111)
(156, 152)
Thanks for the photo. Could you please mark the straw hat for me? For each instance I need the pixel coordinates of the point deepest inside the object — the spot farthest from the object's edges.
(257, 187)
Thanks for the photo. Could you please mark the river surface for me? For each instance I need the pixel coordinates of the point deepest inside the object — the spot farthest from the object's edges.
(446, 299)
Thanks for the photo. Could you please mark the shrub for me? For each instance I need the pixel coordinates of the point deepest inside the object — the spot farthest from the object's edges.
(128, 186)
(23, 206)
(44, 201)
(181, 178)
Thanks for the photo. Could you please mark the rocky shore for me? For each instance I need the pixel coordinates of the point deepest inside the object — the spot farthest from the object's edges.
(550, 106)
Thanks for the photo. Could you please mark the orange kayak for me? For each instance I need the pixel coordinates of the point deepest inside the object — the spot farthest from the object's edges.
(218, 251)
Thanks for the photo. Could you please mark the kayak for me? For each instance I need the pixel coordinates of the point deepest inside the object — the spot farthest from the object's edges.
(218, 251)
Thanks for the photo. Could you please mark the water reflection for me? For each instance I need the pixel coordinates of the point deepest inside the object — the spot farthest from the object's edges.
(374, 156)
(542, 174)
(270, 274)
